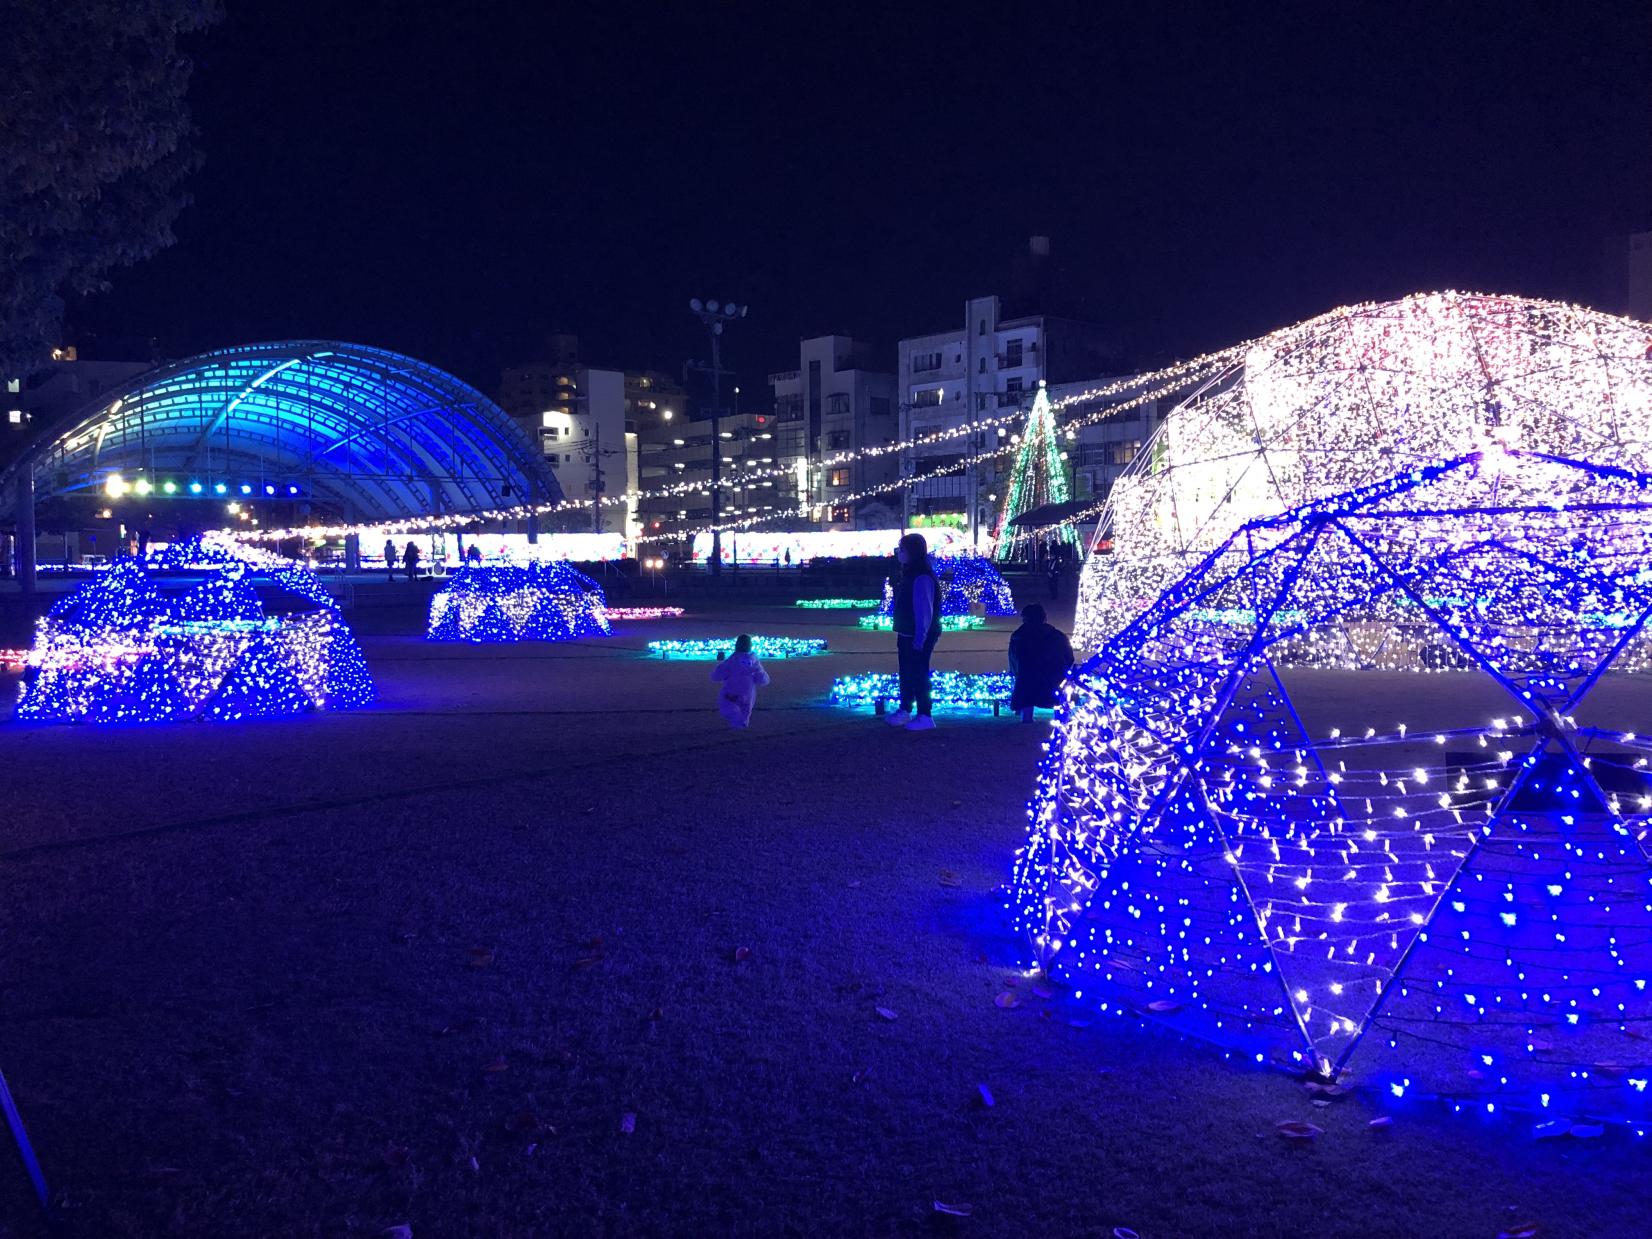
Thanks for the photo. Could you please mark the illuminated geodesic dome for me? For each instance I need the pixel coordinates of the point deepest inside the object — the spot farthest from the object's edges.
(1355, 396)
(539, 601)
(966, 581)
(196, 629)
(1276, 858)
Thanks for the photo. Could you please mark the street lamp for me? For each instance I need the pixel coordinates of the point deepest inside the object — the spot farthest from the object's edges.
(714, 314)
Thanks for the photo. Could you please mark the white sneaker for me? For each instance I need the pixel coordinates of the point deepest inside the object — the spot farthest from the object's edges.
(921, 722)
(897, 719)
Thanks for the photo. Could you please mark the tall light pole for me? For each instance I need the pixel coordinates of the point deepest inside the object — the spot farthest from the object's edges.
(714, 315)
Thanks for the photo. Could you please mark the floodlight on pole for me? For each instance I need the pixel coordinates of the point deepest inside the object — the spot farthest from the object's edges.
(714, 314)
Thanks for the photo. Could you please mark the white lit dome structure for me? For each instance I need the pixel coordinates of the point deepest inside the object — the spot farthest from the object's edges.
(1355, 396)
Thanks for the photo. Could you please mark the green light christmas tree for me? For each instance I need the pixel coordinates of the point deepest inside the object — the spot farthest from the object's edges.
(1037, 478)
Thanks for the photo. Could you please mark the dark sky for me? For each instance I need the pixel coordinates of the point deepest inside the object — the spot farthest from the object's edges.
(454, 179)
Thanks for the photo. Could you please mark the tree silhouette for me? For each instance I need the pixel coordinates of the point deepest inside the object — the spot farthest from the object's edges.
(95, 145)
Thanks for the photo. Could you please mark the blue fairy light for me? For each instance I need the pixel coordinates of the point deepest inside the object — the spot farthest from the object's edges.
(539, 601)
(196, 629)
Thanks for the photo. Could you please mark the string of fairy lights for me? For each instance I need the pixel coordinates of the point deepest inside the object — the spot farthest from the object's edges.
(1460, 910)
(1148, 388)
(1353, 396)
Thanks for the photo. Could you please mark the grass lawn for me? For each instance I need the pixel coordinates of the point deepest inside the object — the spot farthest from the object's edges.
(536, 946)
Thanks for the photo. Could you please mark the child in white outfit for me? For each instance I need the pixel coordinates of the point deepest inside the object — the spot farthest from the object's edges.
(741, 675)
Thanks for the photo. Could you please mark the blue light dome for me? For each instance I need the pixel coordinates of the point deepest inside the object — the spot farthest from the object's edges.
(196, 629)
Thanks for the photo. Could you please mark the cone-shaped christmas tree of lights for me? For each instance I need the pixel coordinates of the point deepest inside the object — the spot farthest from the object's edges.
(1038, 478)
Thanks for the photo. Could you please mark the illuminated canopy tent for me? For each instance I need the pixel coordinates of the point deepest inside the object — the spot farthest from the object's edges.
(1355, 396)
(365, 433)
(1464, 905)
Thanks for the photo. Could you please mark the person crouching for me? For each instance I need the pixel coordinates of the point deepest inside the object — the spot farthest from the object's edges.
(1040, 656)
(741, 675)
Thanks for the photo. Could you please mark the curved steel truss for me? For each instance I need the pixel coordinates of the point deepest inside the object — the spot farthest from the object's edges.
(370, 433)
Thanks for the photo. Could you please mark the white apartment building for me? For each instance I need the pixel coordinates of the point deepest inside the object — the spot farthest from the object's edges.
(835, 402)
(989, 365)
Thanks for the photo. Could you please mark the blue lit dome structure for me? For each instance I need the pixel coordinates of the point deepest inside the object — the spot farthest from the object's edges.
(193, 630)
(363, 433)
(966, 581)
(540, 601)
(1459, 905)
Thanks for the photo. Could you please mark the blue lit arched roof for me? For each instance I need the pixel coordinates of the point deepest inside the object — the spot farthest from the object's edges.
(369, 433)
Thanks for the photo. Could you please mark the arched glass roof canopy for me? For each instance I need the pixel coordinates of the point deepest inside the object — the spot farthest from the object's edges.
(365, 433)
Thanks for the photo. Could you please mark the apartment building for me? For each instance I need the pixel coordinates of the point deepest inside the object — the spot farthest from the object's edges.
(836, 402)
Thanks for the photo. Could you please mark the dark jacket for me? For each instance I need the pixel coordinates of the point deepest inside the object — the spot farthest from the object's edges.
(905, 617)
(1039, 658)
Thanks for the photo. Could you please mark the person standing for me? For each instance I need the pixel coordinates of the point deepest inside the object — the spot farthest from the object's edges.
(917, 625)
(390, 559)
(1040, 655)
(410, 560)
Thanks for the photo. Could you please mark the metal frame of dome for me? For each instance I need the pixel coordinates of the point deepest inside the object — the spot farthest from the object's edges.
(377, 434)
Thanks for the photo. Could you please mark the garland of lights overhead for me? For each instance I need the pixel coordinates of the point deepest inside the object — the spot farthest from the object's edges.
(182, 632)
(1158, 384)
(1459, 907)
(1037, 479)
(1351, 397)
(538, 601)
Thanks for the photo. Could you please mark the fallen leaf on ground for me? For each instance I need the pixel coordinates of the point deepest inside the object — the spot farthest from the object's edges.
(742, 954)
(475, 1166)
(481, 956)
(1124, 1232)
(497, 1065)
(1381, 1123)
(395, 1155)
(855, 883)
(588, 961)
(628, 1123)
(1040, 991)
(1006, 1001)
(953, 1210)
(986, 1096)
(403, 1231)
(658, 1013)
(522, 1120)
(1297, 1130)
(1526, 1230)
(949, 878)
(886, 1013)
(863, 1075)
(1164, 1005)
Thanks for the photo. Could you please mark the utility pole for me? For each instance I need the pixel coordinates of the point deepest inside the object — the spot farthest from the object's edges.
(596, 477)
(714, 316)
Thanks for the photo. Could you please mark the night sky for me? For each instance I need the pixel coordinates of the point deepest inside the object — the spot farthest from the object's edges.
(455, 180)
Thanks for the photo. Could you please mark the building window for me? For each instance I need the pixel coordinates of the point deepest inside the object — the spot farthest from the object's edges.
(981, 327)
(1124, 453)
(837, 440)
(922, 362)
(878, 406)
(981, 366)
(840, 514)
(838, 477)
(1012, 353)
(928, 398)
